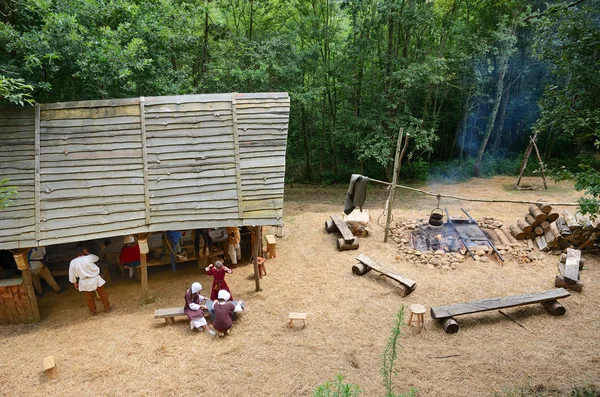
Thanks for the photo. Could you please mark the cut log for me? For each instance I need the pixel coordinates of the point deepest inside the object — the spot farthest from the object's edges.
(553, 216)
(532, 236)
(554, 308)
(551, 240)
(402, 290)
(541, 243)
(342, 245)
(502, 237)
(571, 274)
(450, 326)
(330, 227)
(559, 282)
(584, 222)
(562, 227)
(563, 244)
(545, 225)
(538, 230)
(545, 207)
(529, 244)
(524, 226)
(513, 240)
(517, 232)
(554, 229)
(570, 220)
(537, 213)
(531, 220)
(360, 269)
(590, 241)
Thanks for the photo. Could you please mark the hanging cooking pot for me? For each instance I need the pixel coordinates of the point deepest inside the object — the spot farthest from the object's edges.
(436, 218)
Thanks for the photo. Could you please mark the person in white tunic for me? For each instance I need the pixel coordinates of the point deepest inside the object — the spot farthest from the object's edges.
(85, 275)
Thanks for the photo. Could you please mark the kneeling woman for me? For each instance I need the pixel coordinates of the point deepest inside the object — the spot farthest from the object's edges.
(194, 310)
(224, 310)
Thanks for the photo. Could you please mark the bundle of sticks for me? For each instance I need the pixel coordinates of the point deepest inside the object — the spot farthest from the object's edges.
(551, 230)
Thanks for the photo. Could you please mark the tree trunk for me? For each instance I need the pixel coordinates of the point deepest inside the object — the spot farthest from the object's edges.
(497, 99)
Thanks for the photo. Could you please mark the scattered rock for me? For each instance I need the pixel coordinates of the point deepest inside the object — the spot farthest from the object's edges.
(476, 258)
(435, 261)
(457, 255)
(480, 253)
(418, 253)
(430, 266)
(484, 259)
(404, 241)
(439, 252)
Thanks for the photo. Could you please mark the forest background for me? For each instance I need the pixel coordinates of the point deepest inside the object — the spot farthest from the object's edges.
(470, 80)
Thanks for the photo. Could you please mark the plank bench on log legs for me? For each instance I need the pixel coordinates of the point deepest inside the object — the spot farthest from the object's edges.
(548, 299)
(405, 285)
(170, 314)
(348, 241)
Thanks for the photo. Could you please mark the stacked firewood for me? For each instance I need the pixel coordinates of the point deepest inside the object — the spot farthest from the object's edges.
(551, 231)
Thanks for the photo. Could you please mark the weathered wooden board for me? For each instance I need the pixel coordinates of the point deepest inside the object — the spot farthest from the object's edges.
(187, 161)
(458, 309)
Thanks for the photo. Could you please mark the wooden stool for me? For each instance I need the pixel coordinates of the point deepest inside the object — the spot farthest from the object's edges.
(419, 310)
(271, 244)
(261, 267)
(297, 316)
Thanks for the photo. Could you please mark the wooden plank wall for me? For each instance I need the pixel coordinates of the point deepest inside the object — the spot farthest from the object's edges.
(126, 166)
(91, 170)
(191, 166)
(17, 163)
(262, 126)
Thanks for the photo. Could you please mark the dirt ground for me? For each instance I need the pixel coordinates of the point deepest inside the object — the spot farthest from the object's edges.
(128, 352)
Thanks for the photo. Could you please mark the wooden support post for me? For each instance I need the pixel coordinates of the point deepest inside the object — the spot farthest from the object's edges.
(255, 253)
(397, 162)
(23, 266)
(143, 244)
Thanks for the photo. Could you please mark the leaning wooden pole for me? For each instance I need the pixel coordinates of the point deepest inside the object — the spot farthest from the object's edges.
(255, 251)
(525, 158)
(23, 266)
(542, 168)
(390, 200)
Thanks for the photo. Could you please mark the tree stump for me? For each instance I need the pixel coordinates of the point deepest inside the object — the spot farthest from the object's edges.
(360, 269)
(330, 227)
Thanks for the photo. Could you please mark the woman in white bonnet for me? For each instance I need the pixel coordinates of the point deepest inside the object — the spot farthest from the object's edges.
(194, 310)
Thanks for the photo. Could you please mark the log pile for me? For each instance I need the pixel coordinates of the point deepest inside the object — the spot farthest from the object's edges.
(556, 231)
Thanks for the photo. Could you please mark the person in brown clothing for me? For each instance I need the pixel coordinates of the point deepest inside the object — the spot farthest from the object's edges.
(223, 310)
(233, 248)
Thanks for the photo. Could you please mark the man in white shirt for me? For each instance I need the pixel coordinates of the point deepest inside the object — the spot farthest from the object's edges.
(39, 270)
(85, 275)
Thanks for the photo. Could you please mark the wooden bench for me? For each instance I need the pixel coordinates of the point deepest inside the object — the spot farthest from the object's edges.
(366, 264)
(548, 299)
(297, 316)
(170, 314)
(347, 241)
(271, 246)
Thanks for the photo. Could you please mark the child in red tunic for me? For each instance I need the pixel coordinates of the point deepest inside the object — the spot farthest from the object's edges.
(218, 272)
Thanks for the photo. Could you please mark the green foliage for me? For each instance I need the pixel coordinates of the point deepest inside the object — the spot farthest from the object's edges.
(7, 193)
(337, 388)
(15, 91)
(390, 354)
(568, 41)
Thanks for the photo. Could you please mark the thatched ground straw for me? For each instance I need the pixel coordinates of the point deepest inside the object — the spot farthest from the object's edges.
(127, 352)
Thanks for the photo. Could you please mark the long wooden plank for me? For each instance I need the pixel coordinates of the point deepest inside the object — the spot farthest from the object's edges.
(182, 99)
(343, 229)
(373, 264)
(90, 113)
(90, 104)
(442, 312)
(145, 162)
(189, 107)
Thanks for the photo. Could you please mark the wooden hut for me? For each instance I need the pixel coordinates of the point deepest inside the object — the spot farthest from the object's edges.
(95, 169)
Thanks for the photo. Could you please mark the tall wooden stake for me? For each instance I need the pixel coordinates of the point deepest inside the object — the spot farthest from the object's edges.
(143, 238)
(393, 187)
(255, 248)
